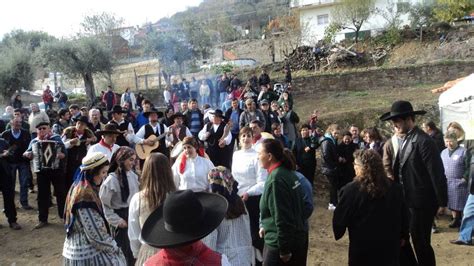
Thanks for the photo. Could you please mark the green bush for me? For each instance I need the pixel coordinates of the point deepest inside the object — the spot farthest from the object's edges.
(219, 69)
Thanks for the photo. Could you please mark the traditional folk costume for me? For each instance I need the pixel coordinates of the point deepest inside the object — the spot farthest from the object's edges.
(88, 240)
(158, 129)
(218, 155)
(191, 173)
(46, 177)
(125, 127)
(115, 193)
(75, 153)
(102, 147)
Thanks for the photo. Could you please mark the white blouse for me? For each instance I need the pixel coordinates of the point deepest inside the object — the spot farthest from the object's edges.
(232, 238)
(111, 199)
(247, 171)
(195, 174)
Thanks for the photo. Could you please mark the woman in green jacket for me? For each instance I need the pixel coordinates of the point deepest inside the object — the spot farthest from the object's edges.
(281, 209)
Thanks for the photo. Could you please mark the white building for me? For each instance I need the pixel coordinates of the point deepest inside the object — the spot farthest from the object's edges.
(316, 15)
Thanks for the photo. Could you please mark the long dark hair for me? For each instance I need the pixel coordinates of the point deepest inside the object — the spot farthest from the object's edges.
(156, 180)
(275, 148)
(117, 167)
(372, 177)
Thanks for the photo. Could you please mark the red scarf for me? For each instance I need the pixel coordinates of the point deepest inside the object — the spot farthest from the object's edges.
(102, 142)
(273, 167)
(196, 254)
(255, 139)
(182, 164)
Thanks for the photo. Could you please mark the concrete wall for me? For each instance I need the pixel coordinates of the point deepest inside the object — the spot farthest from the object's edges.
(383, 78)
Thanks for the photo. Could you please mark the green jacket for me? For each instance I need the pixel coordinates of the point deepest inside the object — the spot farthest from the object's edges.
(281, 211)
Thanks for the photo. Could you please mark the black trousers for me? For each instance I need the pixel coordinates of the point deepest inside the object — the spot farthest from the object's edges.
(252, 205)
(333, 188)
(271, 255)
(44, 181)
(421, 221)
(121, 237)
(8, 192)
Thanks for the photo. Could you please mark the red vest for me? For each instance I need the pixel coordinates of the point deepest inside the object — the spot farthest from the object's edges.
(196, 254)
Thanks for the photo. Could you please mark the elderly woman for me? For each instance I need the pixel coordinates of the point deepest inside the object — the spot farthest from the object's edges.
(88, 240)
(155, 183)
(372, 208)
(116, 192)
(191, 167)
(462, 141)
(281, 208)
(455, 162)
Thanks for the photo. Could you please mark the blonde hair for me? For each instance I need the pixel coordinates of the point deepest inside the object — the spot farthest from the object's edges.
(460, 131)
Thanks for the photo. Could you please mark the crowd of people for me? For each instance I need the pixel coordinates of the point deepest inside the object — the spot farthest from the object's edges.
(231, 183)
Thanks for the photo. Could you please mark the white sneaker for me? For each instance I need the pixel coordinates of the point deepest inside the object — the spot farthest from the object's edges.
(331, 207)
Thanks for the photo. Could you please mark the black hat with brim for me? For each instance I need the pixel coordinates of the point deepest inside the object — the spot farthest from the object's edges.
(42, 124)
(401, 109)
(177, 115)
(179, 221)
(81, 118)
(109, 129)
(153, 111)
(117, 109)
(218, 113)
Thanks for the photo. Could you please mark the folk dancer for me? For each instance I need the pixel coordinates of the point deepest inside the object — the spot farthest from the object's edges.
(106, 145)
(218, 137)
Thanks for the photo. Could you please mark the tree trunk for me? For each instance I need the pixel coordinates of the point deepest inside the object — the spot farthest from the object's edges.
(180, 69)
(90, 90)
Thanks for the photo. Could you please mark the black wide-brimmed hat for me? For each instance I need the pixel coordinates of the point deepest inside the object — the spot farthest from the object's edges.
(117, 109)
(176, 115)
(153, 111)
(218, 113)
(184, 218)
(109, 129)
(81, 118)
(401, 109)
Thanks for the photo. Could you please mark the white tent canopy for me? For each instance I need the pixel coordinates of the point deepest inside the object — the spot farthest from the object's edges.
(457, 104)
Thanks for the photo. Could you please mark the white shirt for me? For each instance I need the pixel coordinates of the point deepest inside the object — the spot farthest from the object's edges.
(134, 228)
(167, 96)
(247, 171)
(156, 129)
(104, 150)
(111, 198)
(195, 174)
(202, 134)
(131, 137)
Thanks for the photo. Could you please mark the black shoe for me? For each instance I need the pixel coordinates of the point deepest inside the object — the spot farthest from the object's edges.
(15, 226)
(41, 225)
(456, 223)
(27, 207)
(460, 242)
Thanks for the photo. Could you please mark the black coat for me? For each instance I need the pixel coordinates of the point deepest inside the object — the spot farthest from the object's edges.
(421, 170)
(376, 225)
(439, 140)
(347, 169)
(330, 158)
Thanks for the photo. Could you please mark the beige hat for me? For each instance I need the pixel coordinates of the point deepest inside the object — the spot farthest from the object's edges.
(93, 160)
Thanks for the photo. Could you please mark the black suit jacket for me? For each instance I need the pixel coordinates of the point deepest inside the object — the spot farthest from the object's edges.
(421, 170)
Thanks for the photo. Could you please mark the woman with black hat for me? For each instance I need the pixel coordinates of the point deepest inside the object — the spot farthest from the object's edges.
(89, 240)
(177, 226)
(116, 192)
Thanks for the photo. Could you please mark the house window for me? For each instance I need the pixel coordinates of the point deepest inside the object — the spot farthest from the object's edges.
(323, 19)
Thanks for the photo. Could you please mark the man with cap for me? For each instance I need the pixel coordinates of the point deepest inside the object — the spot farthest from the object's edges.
(419, 169)
(251, 113)
(128, 137)
(179, 130)
(76, 139)
(270, 116)
(177, 226)
(106, 145)
(157, 129)
(46, 177)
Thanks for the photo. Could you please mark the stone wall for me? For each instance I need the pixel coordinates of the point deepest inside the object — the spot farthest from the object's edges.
(384, 78)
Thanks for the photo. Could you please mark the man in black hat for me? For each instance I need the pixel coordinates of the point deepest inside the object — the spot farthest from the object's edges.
(106, 145)
(128, 137)
(218, 137)
(419, 168)
(46, 177)
(155, 128)
(178, 129)
(76, 139)
(177, 226)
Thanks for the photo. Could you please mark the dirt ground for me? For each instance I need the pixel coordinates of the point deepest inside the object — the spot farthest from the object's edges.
(44, 246)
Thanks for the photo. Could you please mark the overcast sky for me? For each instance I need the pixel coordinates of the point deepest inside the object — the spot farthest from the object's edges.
(62, 18)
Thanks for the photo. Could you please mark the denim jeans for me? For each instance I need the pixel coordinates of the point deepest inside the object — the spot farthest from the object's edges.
(467, 225)
(23, 176)
(48, 106)
(62, 104)
(204, 100)
(222, 97)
